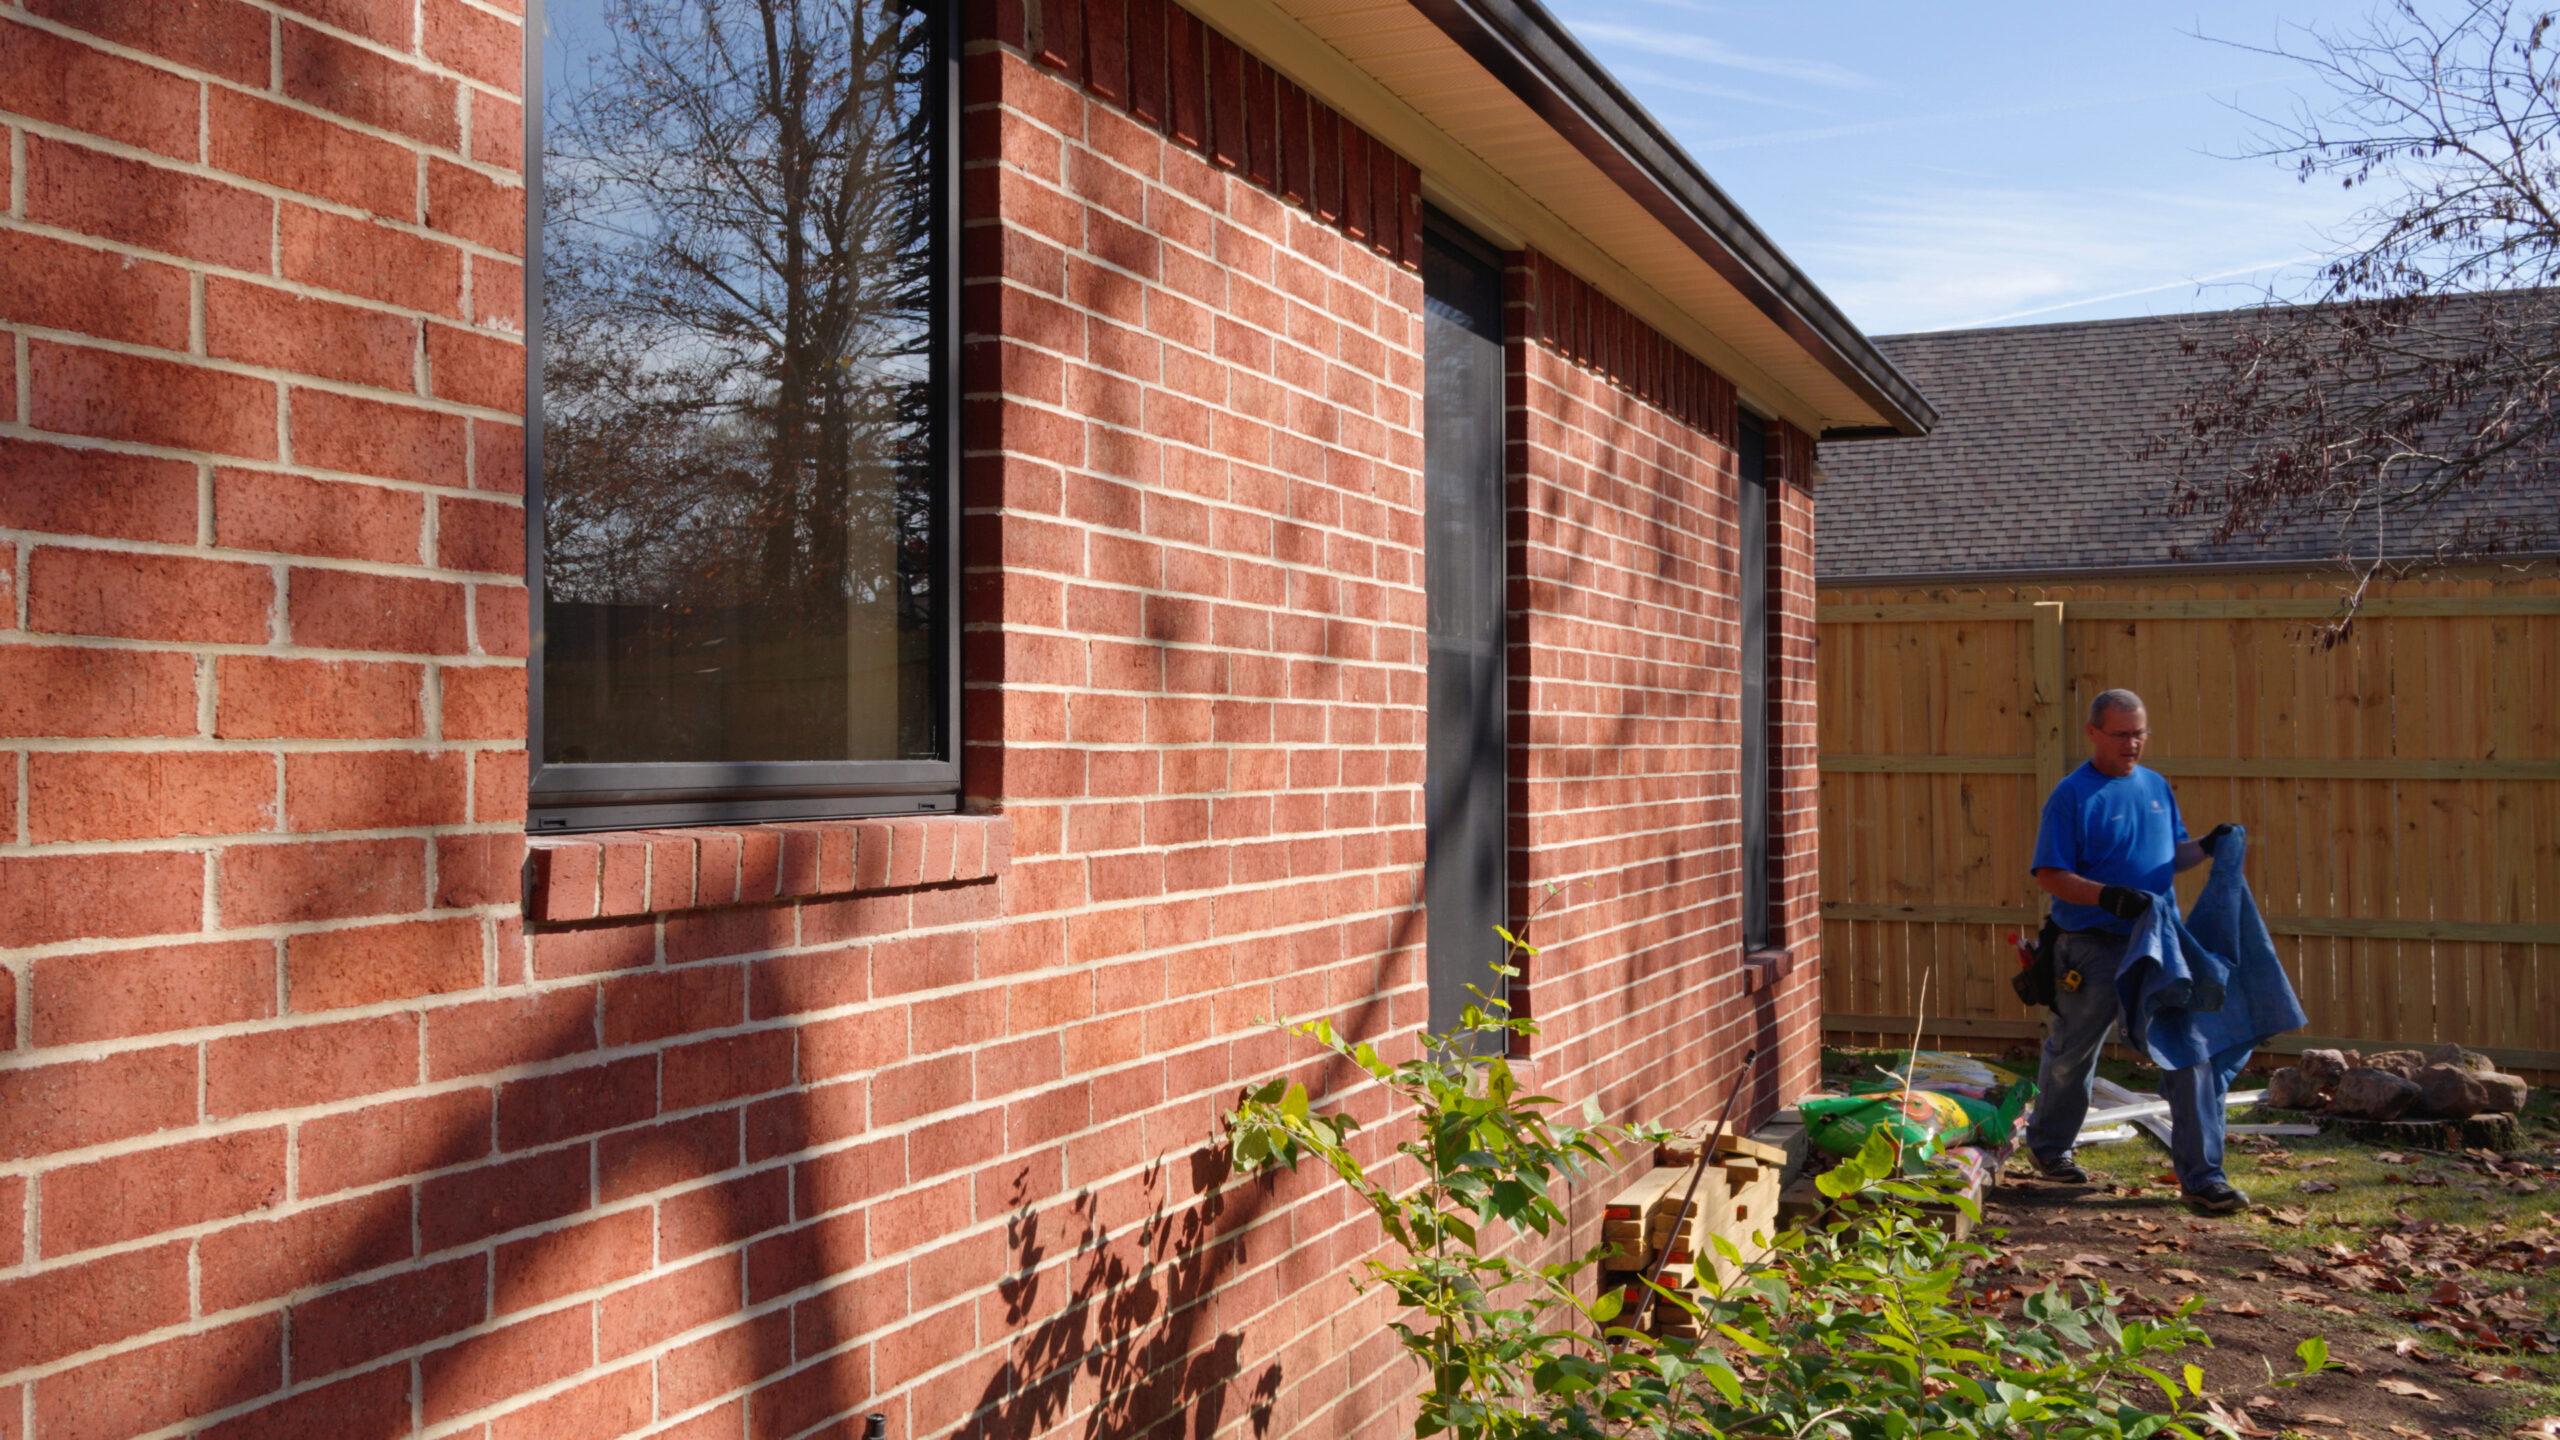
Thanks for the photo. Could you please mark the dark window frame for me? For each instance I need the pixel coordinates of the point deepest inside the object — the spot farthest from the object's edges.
(1754, 790)
(581, 797)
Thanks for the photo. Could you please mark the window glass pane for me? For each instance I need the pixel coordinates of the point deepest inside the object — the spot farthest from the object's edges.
(1754, 660)
(739, 480)
(1465, 781)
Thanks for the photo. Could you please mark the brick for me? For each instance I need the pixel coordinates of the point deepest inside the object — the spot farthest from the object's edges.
(486, 536)
(591, 950)
(147, 597)
(497, 139)
(373, 89)
(476, 43)
(509, 1195)
(715, 934)
(45, 1109)
(560, 1263)
(350, 1326)
(481, 869)
(374, 1403)
(309, 1065)
(292, 515)
(159, 1385)
(680, 1001)
(316, 1245)
(370, 259)
(65, 1310)
(665, 1306)
(390, 1142)
(321, 880)
(62, 286)
(500, 616)
(475, 369)
(260, 325)
(546, 1109)
(392, 23)
(666, 1155)
(609, 1405)
(79, 391)
(144, 1193)
(497, 456)
(484, 702)
(351, 610)
(368, 437)
(263, 697)
(45, 898)
(286, 148)
(477, 1039)
(374, 789)
(225, 37)
(721, 1214)
(724, 1360)
(96, 492)
(728, 1068)
(471, 206)
(140, 204)
(486, 1369)
(112, 994)
(148, 794)
(375, 964)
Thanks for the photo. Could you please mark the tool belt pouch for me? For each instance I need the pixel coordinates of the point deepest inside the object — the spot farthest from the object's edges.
(2035, 982)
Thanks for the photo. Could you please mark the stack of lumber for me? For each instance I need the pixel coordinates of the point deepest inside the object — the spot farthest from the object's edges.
(1737, 1199)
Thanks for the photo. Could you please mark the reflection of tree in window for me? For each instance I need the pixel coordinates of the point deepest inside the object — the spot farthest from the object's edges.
(738, 481)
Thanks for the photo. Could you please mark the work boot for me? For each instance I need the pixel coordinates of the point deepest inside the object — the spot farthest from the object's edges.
(2061, 1170)
(2219, 1198)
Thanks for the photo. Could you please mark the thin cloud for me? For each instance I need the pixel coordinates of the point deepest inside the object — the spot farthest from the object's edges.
(2194, 281)
(1653, 80)
(1905, 122)
(1716, 52)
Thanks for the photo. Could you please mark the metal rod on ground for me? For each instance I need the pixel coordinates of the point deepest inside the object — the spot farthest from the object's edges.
(1698, 1172)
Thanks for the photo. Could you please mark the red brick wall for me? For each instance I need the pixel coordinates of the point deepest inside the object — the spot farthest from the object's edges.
(1626, 711)
(306, 1127)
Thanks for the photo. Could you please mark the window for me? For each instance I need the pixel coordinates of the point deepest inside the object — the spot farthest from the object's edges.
(740, 462)
(1751, 459)
(1465, 776)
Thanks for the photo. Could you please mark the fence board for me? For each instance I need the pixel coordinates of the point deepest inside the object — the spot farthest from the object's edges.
(2402, 788)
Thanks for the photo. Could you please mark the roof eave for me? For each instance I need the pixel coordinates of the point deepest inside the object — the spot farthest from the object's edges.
(1534, 57)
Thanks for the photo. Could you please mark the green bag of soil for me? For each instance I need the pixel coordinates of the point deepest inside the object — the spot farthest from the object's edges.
(1925, 1122)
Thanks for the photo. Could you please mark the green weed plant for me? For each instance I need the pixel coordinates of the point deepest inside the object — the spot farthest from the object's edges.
(1861, 1327)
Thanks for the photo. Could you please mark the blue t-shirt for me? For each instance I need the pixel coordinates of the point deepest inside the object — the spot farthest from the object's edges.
(2114, 830)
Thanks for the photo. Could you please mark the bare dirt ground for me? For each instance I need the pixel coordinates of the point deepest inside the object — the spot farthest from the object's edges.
(2432, 1277)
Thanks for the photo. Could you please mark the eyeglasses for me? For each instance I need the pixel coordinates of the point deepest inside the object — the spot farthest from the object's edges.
(2142, 734)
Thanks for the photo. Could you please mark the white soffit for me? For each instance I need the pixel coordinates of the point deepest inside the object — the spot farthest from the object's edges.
(1489, 158)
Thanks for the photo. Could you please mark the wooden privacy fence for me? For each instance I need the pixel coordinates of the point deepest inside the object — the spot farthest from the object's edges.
(2401, 790)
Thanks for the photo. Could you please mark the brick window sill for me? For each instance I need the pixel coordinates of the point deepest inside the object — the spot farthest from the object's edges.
(644, 872)
(1762, 969)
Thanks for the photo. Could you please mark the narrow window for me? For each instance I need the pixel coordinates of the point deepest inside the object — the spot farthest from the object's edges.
(1464, 787)
(1752, 459)
(739, 452)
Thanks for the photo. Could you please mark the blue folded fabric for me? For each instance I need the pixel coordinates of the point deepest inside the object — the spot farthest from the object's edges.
(2206, 987)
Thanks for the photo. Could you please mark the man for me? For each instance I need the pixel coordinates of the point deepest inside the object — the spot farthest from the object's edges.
(2110, 840)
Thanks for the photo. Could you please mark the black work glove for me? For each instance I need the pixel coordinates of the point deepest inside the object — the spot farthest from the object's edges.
(2123, 902)
(2212, 838)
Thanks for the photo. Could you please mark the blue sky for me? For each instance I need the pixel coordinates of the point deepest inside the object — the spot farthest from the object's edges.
(1938, 166)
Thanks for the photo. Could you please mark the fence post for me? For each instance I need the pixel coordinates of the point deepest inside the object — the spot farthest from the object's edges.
(2048, 687)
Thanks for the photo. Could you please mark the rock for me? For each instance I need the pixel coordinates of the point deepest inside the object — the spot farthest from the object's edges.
(2292, 1088)
(2450, 1092)
(2507, 1093)
(2404, 1063)
(2375, 1094)
(2471, 1060)
(2323, 1068)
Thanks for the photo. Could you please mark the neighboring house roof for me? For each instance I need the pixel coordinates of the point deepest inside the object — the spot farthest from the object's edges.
(2033, 464)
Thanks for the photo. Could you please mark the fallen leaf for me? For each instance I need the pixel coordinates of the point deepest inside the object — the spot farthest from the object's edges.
(2405, 1430)
(2410, 1388)
(2240, 1307)
(2316, 1417)
(2390, 1157)
(2183, 1277)
(2291, 1266)
(2089, 1259)
(2361, 1278)
(2286, 1215)
(2317, 1187)
(2408, 1345)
